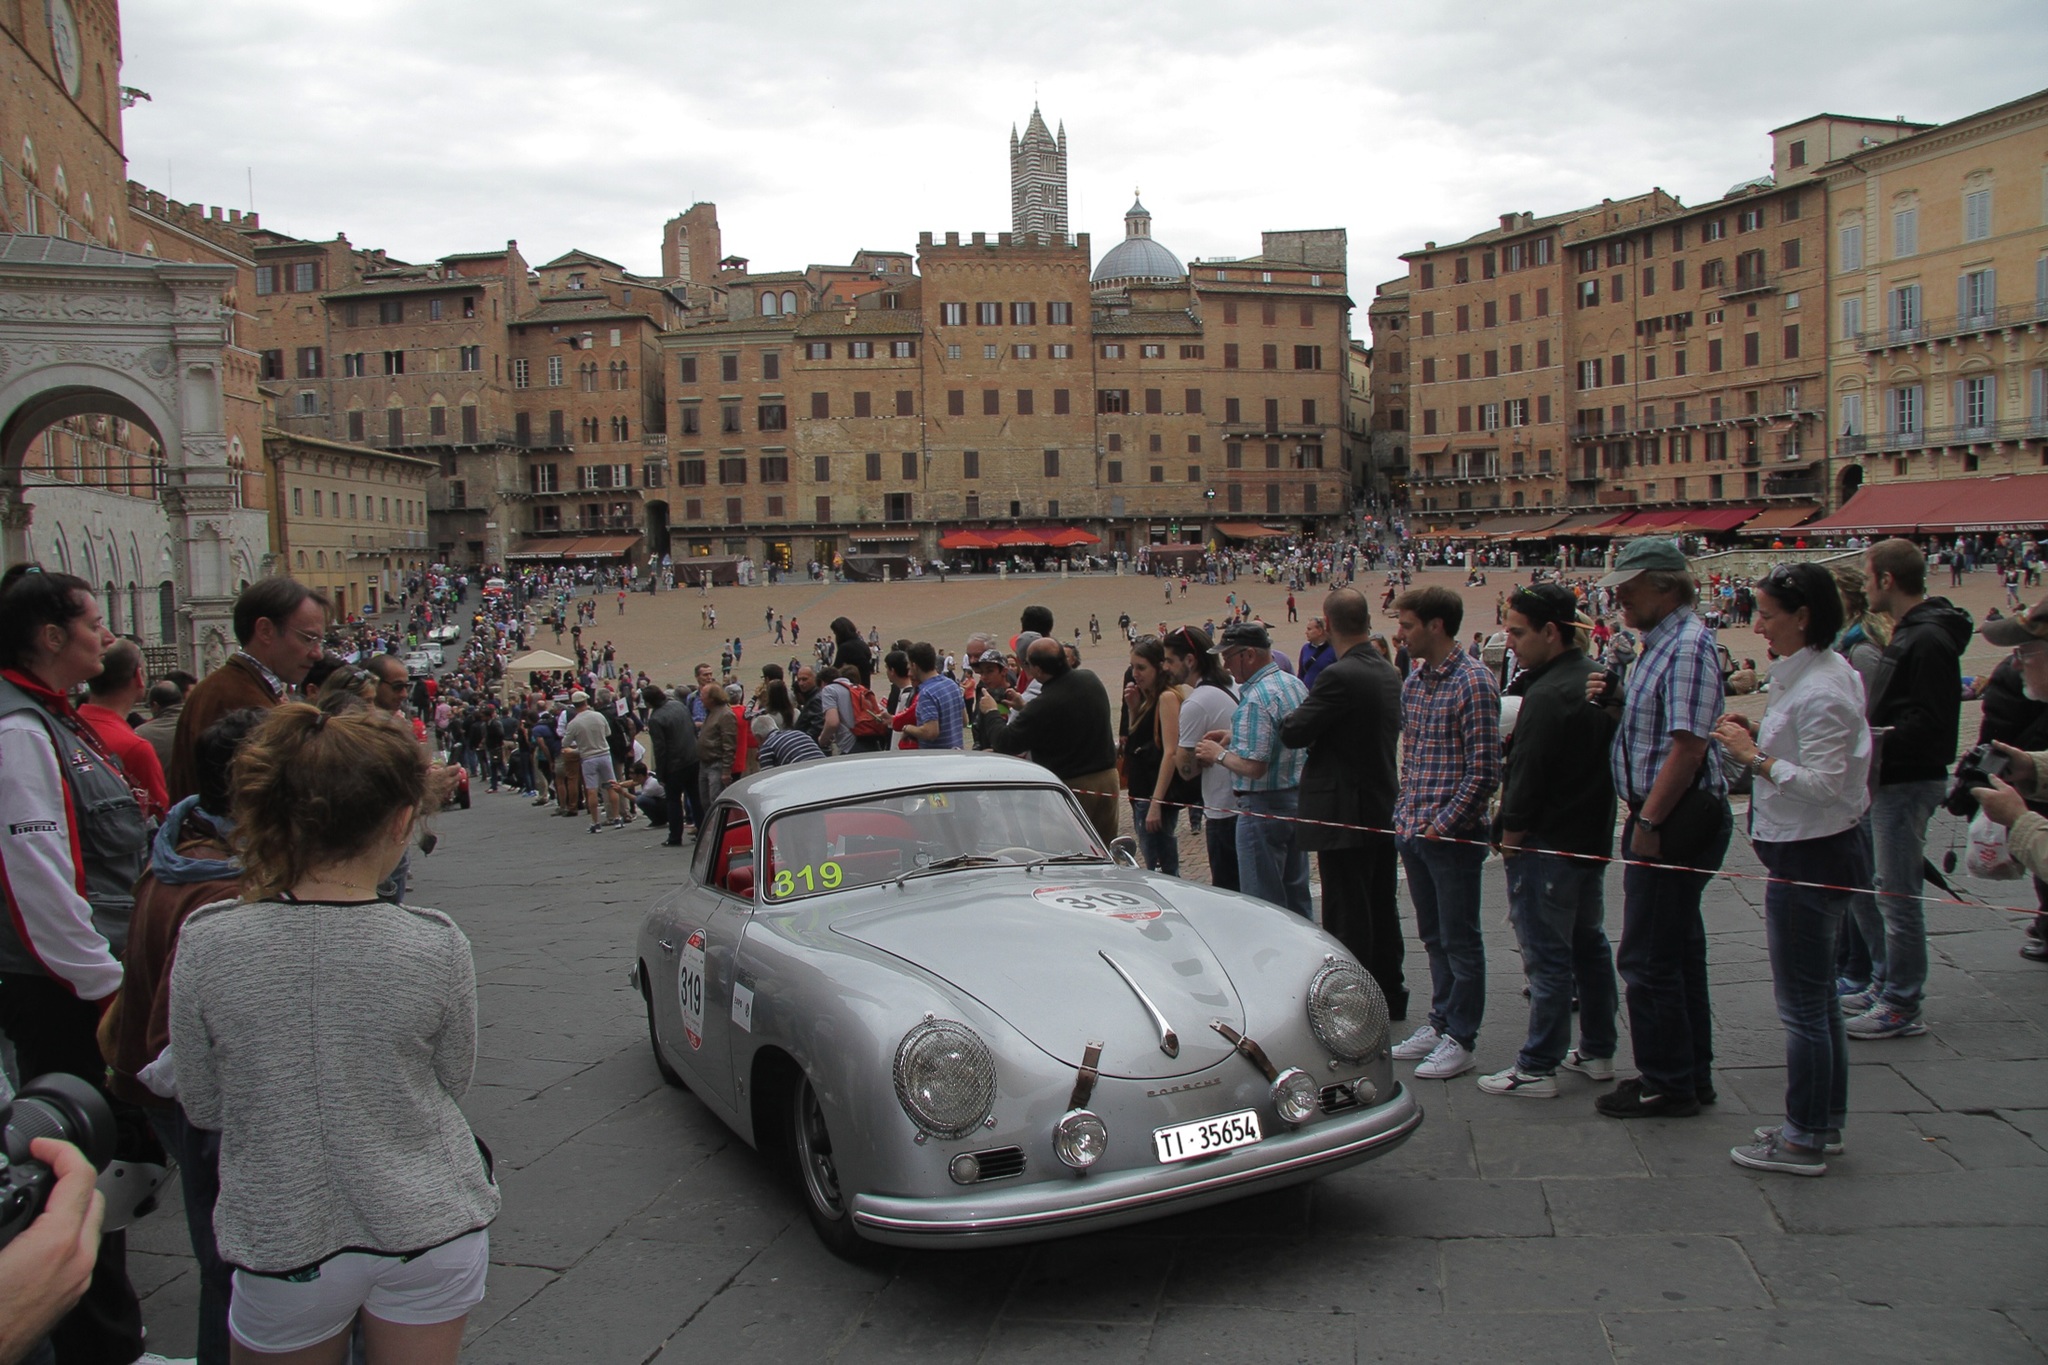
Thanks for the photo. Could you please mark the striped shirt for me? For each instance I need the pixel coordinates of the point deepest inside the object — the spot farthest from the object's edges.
(1450, 747)
(938, 698)
(1268, 696)
(783, 747)
(1675, 688)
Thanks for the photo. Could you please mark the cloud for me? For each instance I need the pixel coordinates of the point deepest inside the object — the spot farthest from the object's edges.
(818, 129)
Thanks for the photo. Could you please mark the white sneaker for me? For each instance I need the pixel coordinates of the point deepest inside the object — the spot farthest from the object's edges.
(1515, 1081)
(1598, 1068)
(1418, 1045)
(1449, 1059)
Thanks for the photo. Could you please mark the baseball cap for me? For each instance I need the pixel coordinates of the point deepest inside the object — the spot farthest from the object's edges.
(1246, 635)
(582, 698)
(1648, 555)
(1546, 602)
(985, 659)
(2018, 630)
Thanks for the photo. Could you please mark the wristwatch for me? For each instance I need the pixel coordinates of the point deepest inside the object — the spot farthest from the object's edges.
(1644, 822)
(1756, 764)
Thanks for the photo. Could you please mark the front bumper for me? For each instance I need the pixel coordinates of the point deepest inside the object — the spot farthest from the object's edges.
(1061, 1206)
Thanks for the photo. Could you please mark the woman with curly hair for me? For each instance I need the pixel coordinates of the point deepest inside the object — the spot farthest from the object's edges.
(319, 1027)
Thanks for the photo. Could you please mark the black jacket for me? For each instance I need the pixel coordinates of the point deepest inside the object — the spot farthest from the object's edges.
(1918, 692)
(672, 738)
(1557, 788)
(1350, 723)
(1064, 728)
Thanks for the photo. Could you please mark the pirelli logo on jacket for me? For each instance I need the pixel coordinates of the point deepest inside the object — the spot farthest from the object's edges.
(21, 827)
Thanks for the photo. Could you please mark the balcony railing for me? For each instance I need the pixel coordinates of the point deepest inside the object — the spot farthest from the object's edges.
(1964, 324)
(1602, 431)
(1793, 483)
(1749, 282)
(1977, 433)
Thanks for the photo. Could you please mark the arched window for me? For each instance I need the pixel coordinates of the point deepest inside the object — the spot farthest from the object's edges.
(63, 185)
(768, 308)
(789, 301)
(302, 559)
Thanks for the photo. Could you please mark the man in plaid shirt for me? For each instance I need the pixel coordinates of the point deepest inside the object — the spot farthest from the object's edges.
(1450, 765)
(1662, 760)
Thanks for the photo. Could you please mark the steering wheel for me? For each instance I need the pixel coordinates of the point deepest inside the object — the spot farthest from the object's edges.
(1017, 855)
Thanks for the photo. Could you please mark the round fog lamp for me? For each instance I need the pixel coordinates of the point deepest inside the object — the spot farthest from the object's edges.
(965, 1169)
(1079, 1139)
(1294, 1095)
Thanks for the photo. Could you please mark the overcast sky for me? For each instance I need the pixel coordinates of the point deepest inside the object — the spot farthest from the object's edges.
(435, 126)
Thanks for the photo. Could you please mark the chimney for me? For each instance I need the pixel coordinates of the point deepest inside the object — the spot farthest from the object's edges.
(1507, 222)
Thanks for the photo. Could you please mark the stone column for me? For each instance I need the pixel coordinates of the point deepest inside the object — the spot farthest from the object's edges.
(199, 499)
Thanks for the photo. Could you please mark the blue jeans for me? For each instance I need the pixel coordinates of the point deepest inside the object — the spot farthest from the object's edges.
(1443, 881)
(1802, 924)
(1663, 965)
(1269, 863)
(1861, 945)
(197, 1152)
(1560, 914)
(1219, 836)
(1898, 827)
(1161, 850)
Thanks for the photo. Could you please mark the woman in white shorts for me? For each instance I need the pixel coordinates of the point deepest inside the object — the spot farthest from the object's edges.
(327, 1034)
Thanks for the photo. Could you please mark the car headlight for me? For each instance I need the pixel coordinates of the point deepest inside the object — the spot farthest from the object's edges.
(1347, 1011)
(945, 1078)
(1080, 1138)
(1295, 1095)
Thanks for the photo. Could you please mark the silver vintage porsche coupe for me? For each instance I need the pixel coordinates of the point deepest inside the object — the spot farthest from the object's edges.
(922, 978)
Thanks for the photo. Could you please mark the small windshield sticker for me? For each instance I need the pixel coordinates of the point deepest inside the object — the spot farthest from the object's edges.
(940, 801)
(690, 985)
(1095, 900)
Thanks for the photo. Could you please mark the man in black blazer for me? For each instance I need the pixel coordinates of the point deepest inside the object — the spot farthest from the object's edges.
(1351, 725)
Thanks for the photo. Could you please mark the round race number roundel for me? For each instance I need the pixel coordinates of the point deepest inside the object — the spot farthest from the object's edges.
(1097, 900)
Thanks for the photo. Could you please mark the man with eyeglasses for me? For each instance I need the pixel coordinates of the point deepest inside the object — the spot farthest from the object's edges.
(280, 625)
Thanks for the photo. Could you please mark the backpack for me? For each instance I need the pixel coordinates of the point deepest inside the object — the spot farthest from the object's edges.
(870, 721)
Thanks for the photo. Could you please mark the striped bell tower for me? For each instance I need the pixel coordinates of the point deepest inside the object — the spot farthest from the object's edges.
(1038, 180)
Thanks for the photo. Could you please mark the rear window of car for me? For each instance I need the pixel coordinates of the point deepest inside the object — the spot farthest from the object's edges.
(864, 843)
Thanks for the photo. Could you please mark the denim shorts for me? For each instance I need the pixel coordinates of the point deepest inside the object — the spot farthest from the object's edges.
(278, 1314)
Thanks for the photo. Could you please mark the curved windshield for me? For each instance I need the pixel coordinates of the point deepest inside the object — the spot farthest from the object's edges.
(862, 843)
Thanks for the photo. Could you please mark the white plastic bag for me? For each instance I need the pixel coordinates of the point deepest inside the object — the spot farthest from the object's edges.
(1990, 858)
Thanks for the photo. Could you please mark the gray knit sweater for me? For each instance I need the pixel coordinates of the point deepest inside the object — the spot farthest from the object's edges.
(328, 1045)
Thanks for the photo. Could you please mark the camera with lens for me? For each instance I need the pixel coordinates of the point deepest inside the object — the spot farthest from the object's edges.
(1974, 769)
(56, 1106)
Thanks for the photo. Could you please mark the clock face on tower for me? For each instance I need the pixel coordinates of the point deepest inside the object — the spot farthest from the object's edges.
(64, 44)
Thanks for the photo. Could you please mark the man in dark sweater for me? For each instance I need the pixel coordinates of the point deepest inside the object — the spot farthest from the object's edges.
(1350, 723)
(280, 625)
(1557, 800)
(1917, 694)
(1064, 728)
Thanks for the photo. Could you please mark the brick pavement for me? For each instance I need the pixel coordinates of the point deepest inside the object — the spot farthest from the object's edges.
(635, 1227)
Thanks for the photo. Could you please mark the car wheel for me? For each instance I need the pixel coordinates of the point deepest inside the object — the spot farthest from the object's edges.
(668, 1073)
(817, 1173)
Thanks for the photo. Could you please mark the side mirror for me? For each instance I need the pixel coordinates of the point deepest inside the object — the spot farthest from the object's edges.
(1124, 849)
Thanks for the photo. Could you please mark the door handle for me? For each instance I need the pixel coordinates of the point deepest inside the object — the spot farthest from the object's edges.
(666, 946)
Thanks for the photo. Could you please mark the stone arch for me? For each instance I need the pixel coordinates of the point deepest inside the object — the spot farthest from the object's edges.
(1847, 482)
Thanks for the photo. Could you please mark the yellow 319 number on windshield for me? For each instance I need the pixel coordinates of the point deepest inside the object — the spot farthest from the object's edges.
(823, 876)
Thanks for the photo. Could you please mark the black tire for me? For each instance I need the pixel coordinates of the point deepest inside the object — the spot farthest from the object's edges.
(668, 1073)
(808, 1142)
(462, 799)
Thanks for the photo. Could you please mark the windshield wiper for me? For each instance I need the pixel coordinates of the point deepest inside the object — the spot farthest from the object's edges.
(946, 864)
(1065, 858)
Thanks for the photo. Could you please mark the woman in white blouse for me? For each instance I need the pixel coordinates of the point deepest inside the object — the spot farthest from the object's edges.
(1811, 759)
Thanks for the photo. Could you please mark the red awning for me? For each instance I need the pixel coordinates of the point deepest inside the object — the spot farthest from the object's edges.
(966, 540)
(1775, 519)
(1715, 520)
(2010, 503)
(1248, 530)
(1071, 536)
(1019, 537)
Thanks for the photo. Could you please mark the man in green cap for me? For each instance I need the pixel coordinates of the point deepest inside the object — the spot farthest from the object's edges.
(1666, 772)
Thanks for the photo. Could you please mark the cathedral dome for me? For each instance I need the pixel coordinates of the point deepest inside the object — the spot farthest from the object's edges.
(1138, 256)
